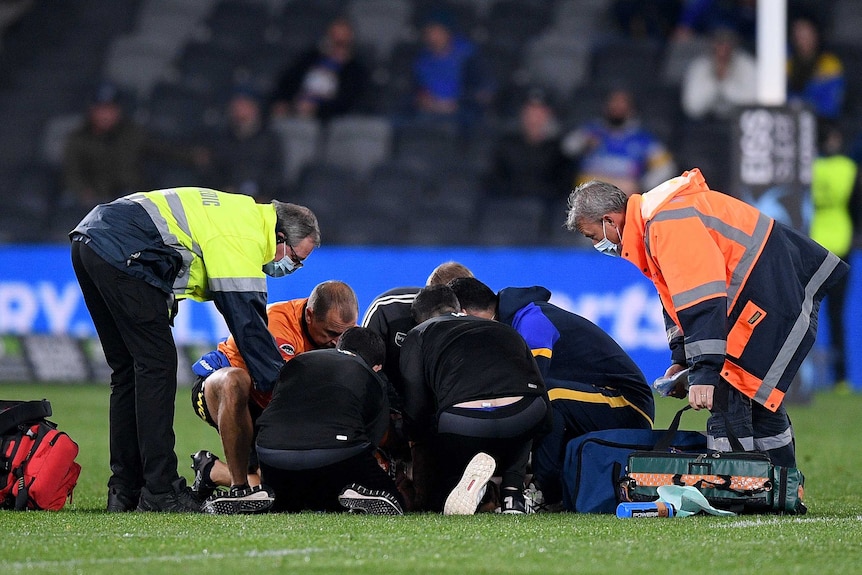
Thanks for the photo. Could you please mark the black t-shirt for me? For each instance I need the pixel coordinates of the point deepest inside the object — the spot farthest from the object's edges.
(389, 317)
(455, 358)
(325, 399)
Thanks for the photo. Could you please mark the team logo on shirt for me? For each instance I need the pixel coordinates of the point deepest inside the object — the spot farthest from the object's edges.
(399, 338)
(287, 349)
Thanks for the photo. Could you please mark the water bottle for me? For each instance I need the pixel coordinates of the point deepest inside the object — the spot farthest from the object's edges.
(664, 385)
(630, 509)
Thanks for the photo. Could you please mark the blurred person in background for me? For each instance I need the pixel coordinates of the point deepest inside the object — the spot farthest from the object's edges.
(837, 211)
(530, 161)
(104, 158)
(815, 76)
(451, 83)
(616, 148)
(247, 155)
(714, 85)
(326, 81)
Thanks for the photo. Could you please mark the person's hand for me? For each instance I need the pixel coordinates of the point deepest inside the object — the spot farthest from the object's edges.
(680, 389)
(700, 396)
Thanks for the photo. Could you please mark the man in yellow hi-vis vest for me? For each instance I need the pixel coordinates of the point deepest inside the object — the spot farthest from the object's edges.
(134, 259)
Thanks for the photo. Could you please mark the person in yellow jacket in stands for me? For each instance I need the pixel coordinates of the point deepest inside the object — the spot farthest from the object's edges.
(740, 292)
(134, 258)
(837, 206)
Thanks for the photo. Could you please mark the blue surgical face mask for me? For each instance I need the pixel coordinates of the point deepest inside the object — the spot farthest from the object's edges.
(606, 246)
(282, 267)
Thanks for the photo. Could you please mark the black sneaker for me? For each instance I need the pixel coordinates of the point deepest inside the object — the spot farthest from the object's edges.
(240, 500)
(180, 500)
(202, 465)
(121, 500)
(359, 499)
(514, 503)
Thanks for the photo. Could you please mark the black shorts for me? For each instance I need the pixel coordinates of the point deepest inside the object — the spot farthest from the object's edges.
(199, 404)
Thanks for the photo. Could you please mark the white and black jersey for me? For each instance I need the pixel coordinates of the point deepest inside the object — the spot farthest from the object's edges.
(389, 317)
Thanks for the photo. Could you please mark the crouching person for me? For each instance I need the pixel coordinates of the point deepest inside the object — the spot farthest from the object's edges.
(317, 437)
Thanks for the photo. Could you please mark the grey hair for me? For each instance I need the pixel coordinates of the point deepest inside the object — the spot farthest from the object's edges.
(592, 200)
(296, 223)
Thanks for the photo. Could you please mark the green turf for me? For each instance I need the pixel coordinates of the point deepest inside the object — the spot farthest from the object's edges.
(83, 539)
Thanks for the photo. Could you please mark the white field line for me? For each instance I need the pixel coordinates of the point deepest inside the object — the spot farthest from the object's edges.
(785, 521)
(22, 565)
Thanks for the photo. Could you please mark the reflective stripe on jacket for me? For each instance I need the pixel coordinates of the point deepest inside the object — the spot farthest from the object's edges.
(743, 289)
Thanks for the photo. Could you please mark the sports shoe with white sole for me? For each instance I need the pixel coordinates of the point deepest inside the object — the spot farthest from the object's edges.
(240, 500)
(359, 499)
(465, 498)
(202, 464)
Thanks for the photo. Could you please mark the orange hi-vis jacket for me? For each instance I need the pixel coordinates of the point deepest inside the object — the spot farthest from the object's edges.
(740, 290)
(286, 323)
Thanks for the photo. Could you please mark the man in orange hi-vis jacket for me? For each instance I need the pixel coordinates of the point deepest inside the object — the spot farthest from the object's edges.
(740, 292)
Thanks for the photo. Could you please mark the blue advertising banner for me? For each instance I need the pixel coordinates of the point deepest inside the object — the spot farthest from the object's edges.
(39, 293)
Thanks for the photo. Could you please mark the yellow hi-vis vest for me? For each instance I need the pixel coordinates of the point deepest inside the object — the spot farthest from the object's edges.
(224, 239)
(832, 181)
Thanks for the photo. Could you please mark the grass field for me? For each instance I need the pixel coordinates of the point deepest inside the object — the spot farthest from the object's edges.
(83, 539)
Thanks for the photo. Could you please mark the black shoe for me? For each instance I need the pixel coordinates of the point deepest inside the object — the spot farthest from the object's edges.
(121, 500)
(514, 502)
(180, 500)
(202, 465)
(238, 500)
(360, 499)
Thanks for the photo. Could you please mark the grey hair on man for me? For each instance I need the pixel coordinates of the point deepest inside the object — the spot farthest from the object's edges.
(296, 223)
(592, 200)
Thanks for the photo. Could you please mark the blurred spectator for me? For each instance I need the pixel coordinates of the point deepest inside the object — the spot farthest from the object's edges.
(702, 17)
(325, 81)
(451, 83)
(814, 76)
(715, 84)
(247, 156)
(530, 162)
(104, 158)
(615, 148)
(837, 209)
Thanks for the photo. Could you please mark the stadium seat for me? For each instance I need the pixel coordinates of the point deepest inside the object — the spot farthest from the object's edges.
(557, 63)
(55, 134)
(395, 190)
(380, 24)
(846, 22)
(679, 54)
(518, 20)
(433, 145)
(300, 140)
(176, 113)
(511, 222)
(441, 226)
(303, 24)
(628, 61)
(357, 142)
(136, 65)
(367, 227)
(706, 145)
(208, 70)
(454, 189)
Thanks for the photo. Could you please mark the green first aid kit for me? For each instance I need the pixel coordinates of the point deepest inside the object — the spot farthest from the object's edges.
(738, 481)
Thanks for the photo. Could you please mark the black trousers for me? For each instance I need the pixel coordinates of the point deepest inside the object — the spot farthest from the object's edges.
(317, 489)
(133, 323)
(505, 433)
